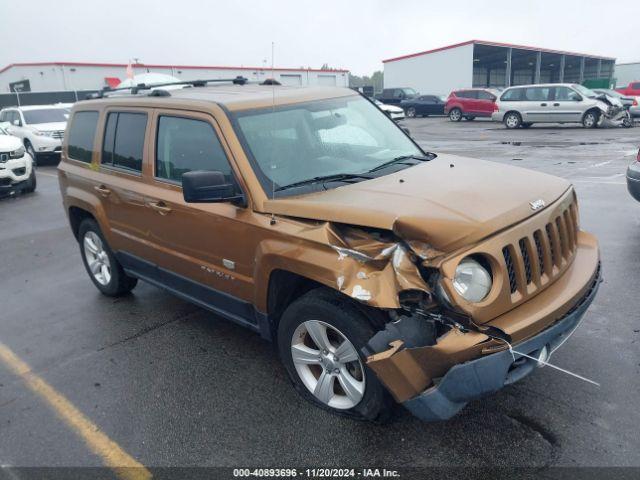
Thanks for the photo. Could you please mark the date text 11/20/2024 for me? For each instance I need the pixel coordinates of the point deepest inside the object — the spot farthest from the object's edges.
(316, 472)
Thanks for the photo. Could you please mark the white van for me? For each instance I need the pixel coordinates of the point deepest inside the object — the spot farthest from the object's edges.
(524, 105)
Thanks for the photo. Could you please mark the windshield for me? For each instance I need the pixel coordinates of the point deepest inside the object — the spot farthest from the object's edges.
(410, 92)
(316, 139)
(584, 91)
(45, 115)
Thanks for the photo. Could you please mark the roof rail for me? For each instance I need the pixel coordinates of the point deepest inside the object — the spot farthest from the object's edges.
(135, 89)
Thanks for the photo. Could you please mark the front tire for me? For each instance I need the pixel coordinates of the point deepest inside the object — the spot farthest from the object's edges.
(410, 112)
(526, 124)
(469, 118)
(319, 339)
(30, 184)
(31, 151)
(103, 268)
(590, 119)
(455, 115)
(512, 120)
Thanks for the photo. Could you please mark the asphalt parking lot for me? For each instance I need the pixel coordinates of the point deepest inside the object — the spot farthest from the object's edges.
(173, 385)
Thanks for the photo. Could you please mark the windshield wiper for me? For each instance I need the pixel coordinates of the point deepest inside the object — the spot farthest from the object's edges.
(400, 159)
(338, 177)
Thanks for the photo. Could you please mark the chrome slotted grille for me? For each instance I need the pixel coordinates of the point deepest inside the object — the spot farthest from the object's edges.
(541, 256)
(57, 134)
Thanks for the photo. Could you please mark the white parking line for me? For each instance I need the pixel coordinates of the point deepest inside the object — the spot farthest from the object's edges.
(46, 174)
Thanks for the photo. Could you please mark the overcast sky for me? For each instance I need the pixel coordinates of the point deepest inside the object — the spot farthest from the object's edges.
(350, 34)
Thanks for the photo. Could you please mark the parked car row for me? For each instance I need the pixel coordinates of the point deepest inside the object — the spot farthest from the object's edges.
(524, 105)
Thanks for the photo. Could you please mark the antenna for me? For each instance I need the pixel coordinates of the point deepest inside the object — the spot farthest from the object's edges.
(273, 109)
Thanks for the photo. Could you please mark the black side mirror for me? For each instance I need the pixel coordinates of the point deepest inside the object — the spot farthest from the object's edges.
(204, 186)
(576, 98)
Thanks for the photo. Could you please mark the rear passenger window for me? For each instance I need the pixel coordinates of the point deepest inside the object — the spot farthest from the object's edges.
(81, 135)
(537, 94)
(123, 143)
(185, 144)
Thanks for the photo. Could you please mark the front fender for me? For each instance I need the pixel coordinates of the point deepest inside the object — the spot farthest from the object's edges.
(373, 275)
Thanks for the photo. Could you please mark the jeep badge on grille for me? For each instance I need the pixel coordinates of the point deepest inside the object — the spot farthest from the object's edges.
(537, 204)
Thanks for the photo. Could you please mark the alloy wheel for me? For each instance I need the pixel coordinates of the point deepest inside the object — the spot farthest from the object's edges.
(97, 258)
(589, 120)
(411, 112)
(328, 364)
(512, 120)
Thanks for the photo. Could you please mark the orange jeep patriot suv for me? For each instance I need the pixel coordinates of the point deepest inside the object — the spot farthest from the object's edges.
(383, 272)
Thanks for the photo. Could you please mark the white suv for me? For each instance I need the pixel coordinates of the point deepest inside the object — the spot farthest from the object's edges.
(40, 128)
(16, 166)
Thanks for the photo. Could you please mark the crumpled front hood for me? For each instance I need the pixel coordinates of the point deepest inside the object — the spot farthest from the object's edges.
(448, 202)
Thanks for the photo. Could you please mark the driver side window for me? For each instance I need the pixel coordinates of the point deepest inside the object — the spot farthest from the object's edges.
(185, 144)
(566, 94)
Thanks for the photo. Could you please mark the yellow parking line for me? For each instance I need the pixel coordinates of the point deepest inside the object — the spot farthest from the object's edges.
(125, 466)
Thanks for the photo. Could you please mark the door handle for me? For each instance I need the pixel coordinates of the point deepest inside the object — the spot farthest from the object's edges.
(556, 104)
(543, 104)
(102, 190)
(160, 207)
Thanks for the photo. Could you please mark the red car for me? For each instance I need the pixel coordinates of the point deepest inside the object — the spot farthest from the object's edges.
(632, 90)
(470, 103)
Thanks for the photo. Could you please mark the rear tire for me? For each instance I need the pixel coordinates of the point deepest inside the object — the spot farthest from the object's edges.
(335, 320)
(512, 120)
(103, 268)
(455, 115)
(590, 119)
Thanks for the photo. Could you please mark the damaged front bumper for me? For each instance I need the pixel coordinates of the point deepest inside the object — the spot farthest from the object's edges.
(435, 381)
(476, 378)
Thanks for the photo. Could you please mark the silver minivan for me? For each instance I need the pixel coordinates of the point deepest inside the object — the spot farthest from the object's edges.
(524, 105)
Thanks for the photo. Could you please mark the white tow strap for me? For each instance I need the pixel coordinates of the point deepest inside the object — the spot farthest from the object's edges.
(513, 352)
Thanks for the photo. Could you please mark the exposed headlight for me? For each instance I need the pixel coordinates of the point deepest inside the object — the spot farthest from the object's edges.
(472, 281)
(18, 153)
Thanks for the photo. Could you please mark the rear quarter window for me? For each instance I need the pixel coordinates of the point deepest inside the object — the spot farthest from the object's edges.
(482, 95)
(513, 95)
(81, 135)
